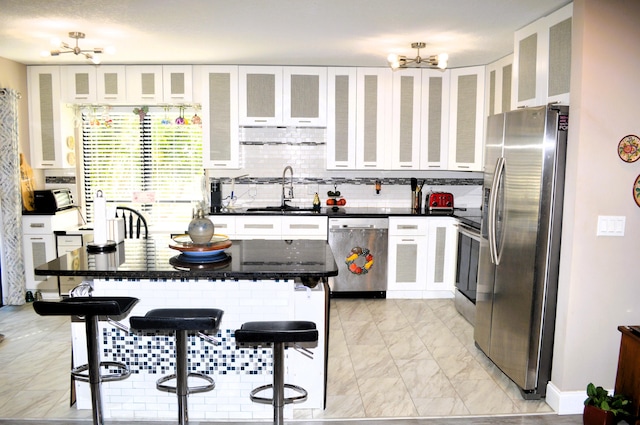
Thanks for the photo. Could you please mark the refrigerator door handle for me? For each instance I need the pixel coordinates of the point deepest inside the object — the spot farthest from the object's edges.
(493, 200)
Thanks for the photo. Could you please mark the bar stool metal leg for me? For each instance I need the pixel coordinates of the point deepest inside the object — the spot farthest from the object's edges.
(182, 376)
(93, 362)
(278, 383)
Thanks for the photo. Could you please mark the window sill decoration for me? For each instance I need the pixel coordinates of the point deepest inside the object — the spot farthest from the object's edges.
(141, 111)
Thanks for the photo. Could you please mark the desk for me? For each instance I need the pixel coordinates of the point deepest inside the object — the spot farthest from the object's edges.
(628, 376)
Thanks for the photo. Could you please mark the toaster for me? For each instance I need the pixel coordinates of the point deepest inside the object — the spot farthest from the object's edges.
(53, 200)
(439, 201)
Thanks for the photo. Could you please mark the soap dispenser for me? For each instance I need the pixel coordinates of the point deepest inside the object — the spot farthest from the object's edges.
(316, 202)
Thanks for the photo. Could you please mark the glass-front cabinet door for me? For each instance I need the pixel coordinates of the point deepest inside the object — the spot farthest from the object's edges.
(341, 118)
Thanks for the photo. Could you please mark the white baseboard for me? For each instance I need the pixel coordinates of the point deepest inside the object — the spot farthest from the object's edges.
(567, 402)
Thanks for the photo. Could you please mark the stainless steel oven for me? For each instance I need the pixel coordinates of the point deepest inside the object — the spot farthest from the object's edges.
(467, 271)
(359, 246)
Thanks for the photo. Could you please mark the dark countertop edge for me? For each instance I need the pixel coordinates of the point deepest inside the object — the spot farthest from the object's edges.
(188, 275)
(469, 216)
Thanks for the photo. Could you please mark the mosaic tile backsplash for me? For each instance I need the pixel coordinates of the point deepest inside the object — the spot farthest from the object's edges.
(156, 353)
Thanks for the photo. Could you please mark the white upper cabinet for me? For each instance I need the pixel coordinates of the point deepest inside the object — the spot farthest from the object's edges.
(144, 84)
(283, 96)
(498, 86)
(542, 60)
(51, 128)
(341, 119)
(177, 83)
(84, 84)
(111, 84)
(434, 119)
(305, 99)
(219, 97)
(260, 95)
(373, 123)
(79, 84)
(466, 119)
(120, 84)
(405, 115)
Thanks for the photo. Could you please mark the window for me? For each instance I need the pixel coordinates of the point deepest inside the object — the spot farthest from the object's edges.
(150, 164)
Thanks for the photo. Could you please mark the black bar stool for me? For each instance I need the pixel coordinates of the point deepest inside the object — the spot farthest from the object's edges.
(92, 308)
(182, 321)
(279, 333)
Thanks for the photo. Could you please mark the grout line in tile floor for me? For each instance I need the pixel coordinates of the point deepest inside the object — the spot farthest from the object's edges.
(387, 359)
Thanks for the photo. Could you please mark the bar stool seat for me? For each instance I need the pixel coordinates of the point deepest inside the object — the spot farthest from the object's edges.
(182, 321)
(278, 333)
(91, 308)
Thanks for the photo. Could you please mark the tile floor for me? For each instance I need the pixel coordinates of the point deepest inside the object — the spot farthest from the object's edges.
(388, 358)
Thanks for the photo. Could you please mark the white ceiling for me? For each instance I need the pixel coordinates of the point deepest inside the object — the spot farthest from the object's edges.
(267, 32)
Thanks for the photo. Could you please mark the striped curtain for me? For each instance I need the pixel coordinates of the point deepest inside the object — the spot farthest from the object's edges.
(11, 259)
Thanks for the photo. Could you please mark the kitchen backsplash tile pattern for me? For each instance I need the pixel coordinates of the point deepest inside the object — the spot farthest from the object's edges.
(265, 152)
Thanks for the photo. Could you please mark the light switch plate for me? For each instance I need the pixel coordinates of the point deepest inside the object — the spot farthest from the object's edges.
(610, 225)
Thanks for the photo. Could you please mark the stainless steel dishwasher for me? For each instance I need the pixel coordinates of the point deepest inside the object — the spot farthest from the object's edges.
(359, 246)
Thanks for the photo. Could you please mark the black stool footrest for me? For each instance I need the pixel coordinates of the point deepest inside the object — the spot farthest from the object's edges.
(287, 400)
(160, 383)
(79, 372)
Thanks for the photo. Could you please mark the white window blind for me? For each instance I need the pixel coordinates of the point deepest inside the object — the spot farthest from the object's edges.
(152, 165)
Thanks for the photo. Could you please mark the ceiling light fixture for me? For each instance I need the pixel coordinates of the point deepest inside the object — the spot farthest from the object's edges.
(433, 61)
(91, 54)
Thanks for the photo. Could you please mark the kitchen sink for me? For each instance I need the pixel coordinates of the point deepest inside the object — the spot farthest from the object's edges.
(286, 209)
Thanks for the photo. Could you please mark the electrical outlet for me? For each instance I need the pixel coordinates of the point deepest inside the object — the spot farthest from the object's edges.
(610, 225)
(253, 190)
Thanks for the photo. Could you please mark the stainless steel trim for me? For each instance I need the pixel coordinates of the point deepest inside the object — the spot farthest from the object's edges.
(493, 248)
(467, 230)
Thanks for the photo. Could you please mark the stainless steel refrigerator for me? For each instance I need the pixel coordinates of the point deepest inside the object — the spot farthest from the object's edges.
(520, 244)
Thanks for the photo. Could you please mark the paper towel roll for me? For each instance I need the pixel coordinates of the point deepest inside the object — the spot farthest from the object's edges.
(99, 219)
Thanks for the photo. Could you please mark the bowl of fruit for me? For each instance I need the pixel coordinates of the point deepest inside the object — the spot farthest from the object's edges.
(335, 199)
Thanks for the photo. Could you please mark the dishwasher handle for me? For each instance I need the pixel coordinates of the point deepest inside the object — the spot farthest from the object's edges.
(357, 227)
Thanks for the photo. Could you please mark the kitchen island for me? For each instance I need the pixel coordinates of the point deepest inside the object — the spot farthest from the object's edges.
(255, 280)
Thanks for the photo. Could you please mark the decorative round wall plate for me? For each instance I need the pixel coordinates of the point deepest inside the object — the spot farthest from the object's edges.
(629, 148)
(636, 191)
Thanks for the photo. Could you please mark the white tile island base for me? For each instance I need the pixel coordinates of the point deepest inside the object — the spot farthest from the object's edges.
(235, 369)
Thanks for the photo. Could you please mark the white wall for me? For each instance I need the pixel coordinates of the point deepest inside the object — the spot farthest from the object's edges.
(599, 283)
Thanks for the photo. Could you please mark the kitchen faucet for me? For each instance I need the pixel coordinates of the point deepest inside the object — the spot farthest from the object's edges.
(290, 196)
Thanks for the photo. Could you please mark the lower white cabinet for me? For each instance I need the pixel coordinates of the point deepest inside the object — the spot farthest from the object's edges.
(441, 257)
(224, 225)
(258, 227)
(422, 257)
(407, 262)
(39, 247)
(271, 226)
(305, 227)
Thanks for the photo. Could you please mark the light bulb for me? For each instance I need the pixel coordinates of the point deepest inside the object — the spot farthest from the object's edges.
(443, 59)
(45, 53)
(96, 59)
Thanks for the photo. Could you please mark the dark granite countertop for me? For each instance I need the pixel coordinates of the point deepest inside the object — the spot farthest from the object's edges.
(469, 216)
(246, 259)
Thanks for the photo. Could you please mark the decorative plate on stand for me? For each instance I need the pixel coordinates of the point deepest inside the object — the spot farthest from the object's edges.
(211, 251)
(629, 148)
